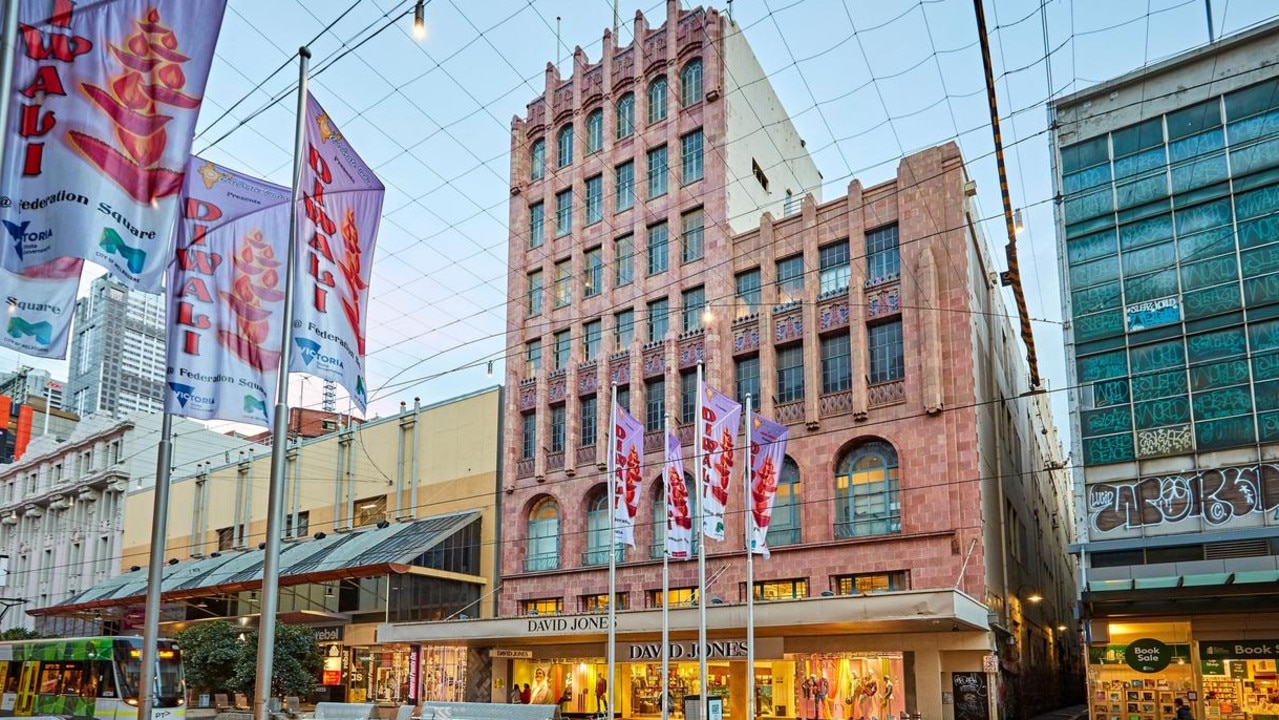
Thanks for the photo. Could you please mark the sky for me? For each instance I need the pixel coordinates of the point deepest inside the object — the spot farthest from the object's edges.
(865, 83)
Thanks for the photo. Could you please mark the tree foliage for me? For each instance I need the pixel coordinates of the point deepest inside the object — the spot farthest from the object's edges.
(19, 633)
(218, 660)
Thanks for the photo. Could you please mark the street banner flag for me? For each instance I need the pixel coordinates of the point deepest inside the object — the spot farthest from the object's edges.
(338, 222)
(101, 116)
(39, 306)
(768, 450)
(626, 458)
(679, 517)
(226, 296)
(716, 431)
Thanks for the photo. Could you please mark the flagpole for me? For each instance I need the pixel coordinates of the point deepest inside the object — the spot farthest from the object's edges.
(280, 430)
(701, 551)
(155, 565)
(749, 520)
(612, 549)
(8, 41)
(663, 697)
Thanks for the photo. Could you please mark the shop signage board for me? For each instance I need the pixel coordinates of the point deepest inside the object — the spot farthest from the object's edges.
(971, 696)
(1240, 649)
(506, 653)
(1148, 655)
(716, 650)
(415, 672)
(329, 634)
(1239, 670)
(1212, 666)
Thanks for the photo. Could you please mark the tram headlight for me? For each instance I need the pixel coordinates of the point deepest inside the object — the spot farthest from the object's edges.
(131, 701)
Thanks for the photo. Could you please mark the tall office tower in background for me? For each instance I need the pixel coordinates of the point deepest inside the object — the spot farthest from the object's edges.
(116, 364)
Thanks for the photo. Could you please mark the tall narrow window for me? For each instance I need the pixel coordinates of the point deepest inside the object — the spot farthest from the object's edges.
(884, 343)
(790, 374)
(536, 225)
(625, 186)
(747, 372)
(687, 396)
(564, 146)
(563, 348)
(593, 279)
(657, 100)
(790, 280)
(563, 283)
(594, 199)
(559, 420)
(867, 493)
(785, 527)
(597, 530)
(563, 212)
(625, 115)
(658, 256)
(748, 293)
(834, 268)
(623, 330)
(533, 357)
(694, 304)
(624, 260)
(692, 235)
(658, 319)
(657, 171)
(535, 292)
(690, 83)
(591, 333)
(528, 444)
(691, 157)
(594, 131)
(654, 405)
(837, 371)
(543, 551)
(883, 256)
(537, 160)
(589, 414)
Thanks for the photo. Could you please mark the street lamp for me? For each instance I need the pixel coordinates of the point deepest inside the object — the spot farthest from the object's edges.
(1032, 596)
(419, 19)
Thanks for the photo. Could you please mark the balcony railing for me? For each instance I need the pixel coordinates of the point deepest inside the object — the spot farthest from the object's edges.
(791, 412)
(524, 468)
(585, 455)
(888, 393)
(555, 460)
(600, 556)
(539, 563)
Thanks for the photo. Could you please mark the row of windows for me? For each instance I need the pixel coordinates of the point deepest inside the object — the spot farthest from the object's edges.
(624, 119)
(885, 356)
(867, 503)
(765, 591)
(692, 169)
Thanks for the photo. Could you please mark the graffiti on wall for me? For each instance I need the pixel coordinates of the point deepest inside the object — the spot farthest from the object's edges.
(1216, 496)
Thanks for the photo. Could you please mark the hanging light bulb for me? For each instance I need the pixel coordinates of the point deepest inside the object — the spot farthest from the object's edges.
(419, 19)
(1018, 224)
(490, 371)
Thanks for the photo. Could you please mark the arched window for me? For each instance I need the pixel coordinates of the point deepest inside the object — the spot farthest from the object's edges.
(690, 82)
(594, 131)
(537, 159)
(657, 100)
(625, 115)
(543, 537)
(597, 540)
(867, 492)
(784, 529)
(564, 146)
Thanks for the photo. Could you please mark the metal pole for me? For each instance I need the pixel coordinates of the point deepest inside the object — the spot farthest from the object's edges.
(666, 581)
(48, 404)
(8, 43)
(279, 460)
(749, 520)
(612, 548)
(155, 565)
(701, 552)
(1208, 11)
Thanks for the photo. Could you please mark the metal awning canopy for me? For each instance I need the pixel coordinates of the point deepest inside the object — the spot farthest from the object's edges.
(340, 556)
(1215, 592)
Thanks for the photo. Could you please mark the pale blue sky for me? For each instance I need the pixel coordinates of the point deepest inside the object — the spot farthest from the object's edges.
(865, 82)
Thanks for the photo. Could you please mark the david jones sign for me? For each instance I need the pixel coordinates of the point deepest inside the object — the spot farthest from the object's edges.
(715, 649)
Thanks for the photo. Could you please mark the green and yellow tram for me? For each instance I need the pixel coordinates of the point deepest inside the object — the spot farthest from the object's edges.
(94, 677)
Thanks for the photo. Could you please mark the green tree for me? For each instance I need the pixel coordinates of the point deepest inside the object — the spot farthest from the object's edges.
(211, 652)
(19, 633)
(297, 662)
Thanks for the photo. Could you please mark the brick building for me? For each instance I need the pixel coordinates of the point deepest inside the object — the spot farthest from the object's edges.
(921, 520)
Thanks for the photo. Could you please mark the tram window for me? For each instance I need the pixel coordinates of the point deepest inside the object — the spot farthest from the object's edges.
(72, 674)
(8, 676)
(106, 678)
(50, 674)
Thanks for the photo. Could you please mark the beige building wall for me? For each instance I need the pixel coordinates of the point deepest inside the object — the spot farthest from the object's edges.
(443, 458)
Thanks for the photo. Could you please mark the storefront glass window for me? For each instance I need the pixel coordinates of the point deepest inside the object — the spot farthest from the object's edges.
(1145, 667)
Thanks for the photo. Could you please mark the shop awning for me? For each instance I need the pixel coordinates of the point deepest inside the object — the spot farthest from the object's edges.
(339, 556)
(1219, 592)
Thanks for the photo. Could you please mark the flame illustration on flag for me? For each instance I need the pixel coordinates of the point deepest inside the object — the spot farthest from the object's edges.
(254, 281)
(150, 77)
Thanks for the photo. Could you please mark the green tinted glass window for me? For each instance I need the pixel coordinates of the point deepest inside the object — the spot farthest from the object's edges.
(1202, 217)
(1105, 421)
(1210, 301)
(1218, 374)
(1148, 134)
(1161, 413)
(1214, 345)
(1230, 432)
(1157, 356)
(1108, 449)
(1252, 100)
(1194, 119)
(1206, 273)
(1094, 246)
(1084, 155)
(1145, 232)
(1102, 367)
(1149, 287)
(1158, 385)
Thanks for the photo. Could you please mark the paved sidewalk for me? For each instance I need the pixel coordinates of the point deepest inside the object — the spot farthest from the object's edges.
(1075, 712)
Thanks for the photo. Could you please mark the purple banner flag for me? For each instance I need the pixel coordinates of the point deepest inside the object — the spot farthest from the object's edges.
(768, 450)
(717, 433)
(101, 116)
(226, 296)
(679, 517)
(338, 224)
(626, 457)
(39, 305)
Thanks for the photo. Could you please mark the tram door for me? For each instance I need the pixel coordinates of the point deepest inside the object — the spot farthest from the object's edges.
(27, 688)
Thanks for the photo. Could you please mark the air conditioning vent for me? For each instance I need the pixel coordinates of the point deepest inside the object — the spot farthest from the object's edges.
(1236, 549)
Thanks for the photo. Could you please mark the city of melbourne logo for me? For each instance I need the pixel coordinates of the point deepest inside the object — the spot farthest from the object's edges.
(41, 332)
(112, 244)
(255, 406)
(186, 394)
